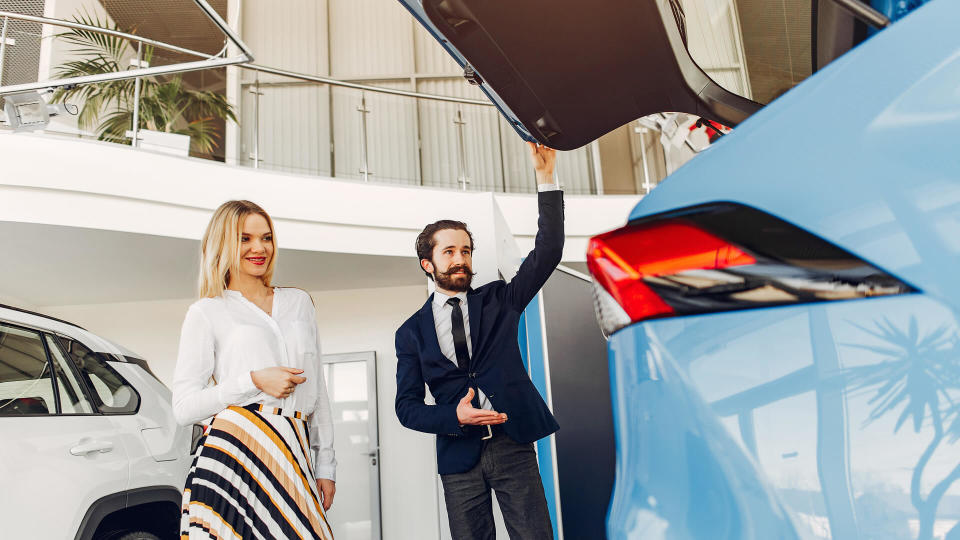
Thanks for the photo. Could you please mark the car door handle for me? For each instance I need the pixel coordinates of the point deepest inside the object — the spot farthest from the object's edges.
(87, 446)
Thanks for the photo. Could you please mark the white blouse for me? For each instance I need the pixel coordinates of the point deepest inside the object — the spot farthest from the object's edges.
(228, 337)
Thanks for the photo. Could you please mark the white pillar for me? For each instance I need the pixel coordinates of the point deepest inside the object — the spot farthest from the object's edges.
(232, 137)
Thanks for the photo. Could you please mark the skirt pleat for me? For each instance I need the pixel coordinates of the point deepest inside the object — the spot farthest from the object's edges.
(252, 477)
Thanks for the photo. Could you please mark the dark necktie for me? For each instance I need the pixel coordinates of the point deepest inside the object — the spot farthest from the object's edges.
(459, 336)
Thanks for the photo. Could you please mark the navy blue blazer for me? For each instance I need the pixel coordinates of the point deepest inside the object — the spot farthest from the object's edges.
(496, 366)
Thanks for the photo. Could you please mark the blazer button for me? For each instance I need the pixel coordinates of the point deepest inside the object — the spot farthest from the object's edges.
(473, 375)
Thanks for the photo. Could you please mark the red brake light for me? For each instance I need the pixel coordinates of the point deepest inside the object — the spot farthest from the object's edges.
(621, 259)
(721, 257)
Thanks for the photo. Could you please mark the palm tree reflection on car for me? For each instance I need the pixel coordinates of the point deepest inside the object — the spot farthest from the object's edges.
(920, 373)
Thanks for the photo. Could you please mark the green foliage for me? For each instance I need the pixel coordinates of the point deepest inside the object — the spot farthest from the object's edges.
(165, 105)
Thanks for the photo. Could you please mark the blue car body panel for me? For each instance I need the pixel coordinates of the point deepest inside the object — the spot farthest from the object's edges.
(832, 420)
(827, 420)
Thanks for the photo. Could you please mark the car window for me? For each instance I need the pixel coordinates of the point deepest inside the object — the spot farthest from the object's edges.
(73, 399)
(25, 383)
(111, 393)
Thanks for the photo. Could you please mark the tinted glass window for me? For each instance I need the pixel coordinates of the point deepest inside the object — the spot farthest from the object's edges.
(111, 393)
(73, 398)
(25, 383)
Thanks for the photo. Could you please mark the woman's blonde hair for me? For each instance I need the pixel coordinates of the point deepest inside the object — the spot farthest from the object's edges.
(220, 247)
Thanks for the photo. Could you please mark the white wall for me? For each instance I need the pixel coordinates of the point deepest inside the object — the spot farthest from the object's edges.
(350, 321)
(114, 187)
(363, 320)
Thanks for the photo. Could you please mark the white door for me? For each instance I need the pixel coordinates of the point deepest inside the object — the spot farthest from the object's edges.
(352, 386)
(57, 454)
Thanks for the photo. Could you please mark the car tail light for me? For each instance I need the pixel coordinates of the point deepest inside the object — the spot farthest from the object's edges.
(720, 257)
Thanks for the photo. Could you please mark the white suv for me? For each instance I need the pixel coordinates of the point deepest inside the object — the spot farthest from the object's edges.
(88, 445)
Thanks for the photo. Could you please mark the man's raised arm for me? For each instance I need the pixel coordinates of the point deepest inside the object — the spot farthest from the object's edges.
(548, 246)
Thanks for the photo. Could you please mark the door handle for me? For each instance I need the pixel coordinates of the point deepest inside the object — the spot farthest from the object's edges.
(87, 446)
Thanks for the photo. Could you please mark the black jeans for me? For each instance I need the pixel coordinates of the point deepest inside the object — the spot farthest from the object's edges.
(511, 470)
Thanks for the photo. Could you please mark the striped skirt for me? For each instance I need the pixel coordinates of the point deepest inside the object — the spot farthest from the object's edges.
(252, 477)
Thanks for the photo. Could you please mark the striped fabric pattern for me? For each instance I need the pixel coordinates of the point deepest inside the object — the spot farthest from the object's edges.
(252, 477)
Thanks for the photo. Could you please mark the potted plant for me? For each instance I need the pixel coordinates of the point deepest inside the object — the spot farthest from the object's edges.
(167, 105)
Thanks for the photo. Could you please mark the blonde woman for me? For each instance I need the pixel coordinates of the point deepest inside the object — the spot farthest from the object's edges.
(249, 357)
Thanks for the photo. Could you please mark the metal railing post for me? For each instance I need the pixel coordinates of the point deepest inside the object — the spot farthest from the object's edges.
(255, 156)
(461, 151)
(137, 83)
(503, 167)
(642, 131)
(596, 167)
(364, 157)
(3, 45)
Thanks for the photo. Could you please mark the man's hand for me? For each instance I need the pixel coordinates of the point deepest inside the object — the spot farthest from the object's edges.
(327, 489)
(468, 415)
(279, 382)
(543, 159)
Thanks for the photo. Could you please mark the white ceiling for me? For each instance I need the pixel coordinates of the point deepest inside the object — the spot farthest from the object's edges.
(46, 265)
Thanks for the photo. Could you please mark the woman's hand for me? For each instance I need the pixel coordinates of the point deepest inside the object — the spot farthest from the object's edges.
(327, 489)
(278, 382)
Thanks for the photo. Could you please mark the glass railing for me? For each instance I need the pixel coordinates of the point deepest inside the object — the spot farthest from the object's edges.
(426, 130)
(296, 123)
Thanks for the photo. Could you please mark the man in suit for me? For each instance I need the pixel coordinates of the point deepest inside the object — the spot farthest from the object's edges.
(463, 344)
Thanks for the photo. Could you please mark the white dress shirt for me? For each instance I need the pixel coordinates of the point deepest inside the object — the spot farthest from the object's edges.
(227, 337)
(553, 186)
(443, 321)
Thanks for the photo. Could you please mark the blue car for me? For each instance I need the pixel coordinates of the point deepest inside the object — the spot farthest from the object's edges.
(782, 312)
(784, 342)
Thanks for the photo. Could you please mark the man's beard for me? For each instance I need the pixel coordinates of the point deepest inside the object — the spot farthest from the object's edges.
(447, 281)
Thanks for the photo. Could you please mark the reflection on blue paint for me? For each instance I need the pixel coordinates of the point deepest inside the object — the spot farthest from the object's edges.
(836, 420)
(680, 473)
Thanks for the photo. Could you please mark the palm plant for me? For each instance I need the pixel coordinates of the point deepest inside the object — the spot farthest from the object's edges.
(920, 377)
(165, 105)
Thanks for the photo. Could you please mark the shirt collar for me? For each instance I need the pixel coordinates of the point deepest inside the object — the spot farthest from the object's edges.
(237, 294)
(439, 299)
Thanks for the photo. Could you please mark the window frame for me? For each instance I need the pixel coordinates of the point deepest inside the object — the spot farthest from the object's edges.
(54, 384)
(43, 333)
(77, 376)
(92, 396)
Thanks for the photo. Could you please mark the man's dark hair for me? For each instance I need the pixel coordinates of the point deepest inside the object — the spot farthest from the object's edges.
(426, 241)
